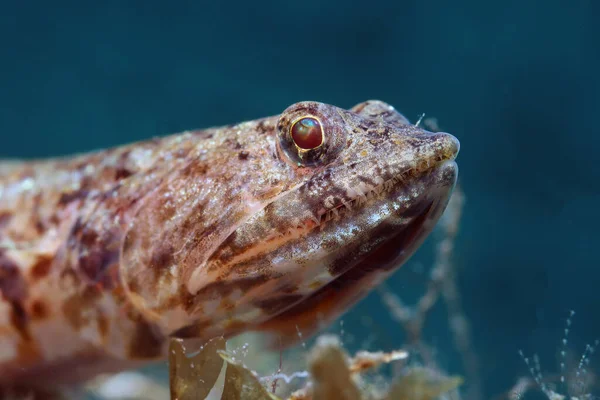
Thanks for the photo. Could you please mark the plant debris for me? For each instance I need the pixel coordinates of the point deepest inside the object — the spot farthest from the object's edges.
(333, 375)
(422, 383)
(241, 383)
(330, 371)
(193, 377)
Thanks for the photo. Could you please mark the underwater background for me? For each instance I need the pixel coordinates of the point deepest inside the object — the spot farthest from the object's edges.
(517, 82)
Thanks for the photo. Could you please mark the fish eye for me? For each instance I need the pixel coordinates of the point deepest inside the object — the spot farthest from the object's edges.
(307, 133)
(310, 134)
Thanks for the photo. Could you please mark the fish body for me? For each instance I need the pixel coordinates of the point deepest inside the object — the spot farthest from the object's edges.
(278, 224)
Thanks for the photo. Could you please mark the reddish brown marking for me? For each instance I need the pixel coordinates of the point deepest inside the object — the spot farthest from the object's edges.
(289, 288)
(97, 262)
(162, 257)
(146, 341)
(41, 268)
(39, 310)
(195, 169)
(5, 218)
(122, 173)
(20, 320)
(12, 285)
(233, 143)
(95, 253)
(68, 197)
(36, 219)
(262, 128)
(103, 325)
(76, 307)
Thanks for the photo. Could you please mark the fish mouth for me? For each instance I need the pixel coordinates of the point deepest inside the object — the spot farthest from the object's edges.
(436, 169)
(424, 172)
(393, 241)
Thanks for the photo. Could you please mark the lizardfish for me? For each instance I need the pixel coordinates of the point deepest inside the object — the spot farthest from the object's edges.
(277, 225)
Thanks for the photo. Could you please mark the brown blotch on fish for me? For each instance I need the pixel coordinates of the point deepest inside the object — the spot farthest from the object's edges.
(195, 169)
(39, 310)
(68, 197)
(146, 341)
(5, 218)
(41, 267)
(208, 135)
(20, 320)
(76, 308)
(289, 288)
(12, 284)
(243, 155)
(37, 222)
(162, 257)
(233, 143)
(96, 253)
(262, 127)
(97, 262)
(122, 169)
(103, 325)
(122, 173)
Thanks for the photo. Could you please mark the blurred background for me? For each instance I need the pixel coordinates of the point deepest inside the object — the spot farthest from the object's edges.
(517, 82)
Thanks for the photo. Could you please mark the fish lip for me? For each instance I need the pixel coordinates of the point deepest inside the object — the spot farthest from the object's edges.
(446, 170)
(449, 145)
(423, 219)
(454, 144)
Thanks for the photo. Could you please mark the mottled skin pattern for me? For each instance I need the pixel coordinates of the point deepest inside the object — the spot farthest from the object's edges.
(104, 256)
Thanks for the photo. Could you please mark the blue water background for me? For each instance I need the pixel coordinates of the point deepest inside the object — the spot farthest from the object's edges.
(516, 81)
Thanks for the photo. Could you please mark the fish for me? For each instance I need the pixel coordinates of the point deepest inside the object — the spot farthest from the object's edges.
(277, 225)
